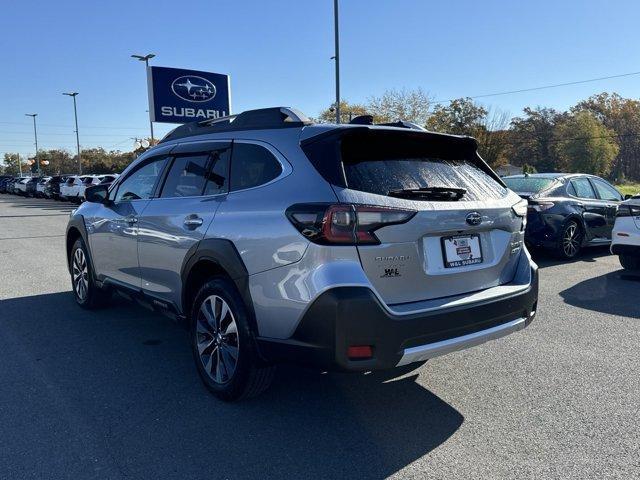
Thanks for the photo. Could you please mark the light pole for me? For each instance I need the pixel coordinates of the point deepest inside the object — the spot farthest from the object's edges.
(337, 58)
(145, 59)
(75, 112)
(35, 134)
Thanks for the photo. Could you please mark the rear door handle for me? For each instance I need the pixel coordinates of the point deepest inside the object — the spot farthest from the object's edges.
(193, 221)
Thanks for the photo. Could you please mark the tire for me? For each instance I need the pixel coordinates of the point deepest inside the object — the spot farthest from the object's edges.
(87, 294)
(569, 241)
(630, 262)
(219, 329)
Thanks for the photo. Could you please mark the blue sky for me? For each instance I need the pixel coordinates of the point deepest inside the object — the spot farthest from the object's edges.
(277, 53)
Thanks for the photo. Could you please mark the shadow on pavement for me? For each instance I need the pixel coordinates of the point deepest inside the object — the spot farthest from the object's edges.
(38, 203)
(545, 258)
(615, 293)
(115, 393)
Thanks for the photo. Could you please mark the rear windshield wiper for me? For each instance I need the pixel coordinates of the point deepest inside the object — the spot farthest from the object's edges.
(443, 194)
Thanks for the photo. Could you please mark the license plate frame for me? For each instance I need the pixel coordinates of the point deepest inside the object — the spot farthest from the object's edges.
(472, 243)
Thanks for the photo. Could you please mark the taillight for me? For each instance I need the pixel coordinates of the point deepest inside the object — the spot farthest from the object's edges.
(628, 211)
(343, 223)
(541, 206)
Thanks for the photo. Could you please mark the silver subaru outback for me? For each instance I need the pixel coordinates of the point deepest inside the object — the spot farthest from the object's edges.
(343, 247)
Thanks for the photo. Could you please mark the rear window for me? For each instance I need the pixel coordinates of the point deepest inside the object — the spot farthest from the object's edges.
(528, 184)
(384, 176)
(389, 162)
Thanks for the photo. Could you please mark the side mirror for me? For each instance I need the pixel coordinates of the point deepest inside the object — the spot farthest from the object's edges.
(97, 193)
(627, 196)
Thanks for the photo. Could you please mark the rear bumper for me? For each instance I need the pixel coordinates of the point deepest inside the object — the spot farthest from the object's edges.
(353, 316)
(542, 230)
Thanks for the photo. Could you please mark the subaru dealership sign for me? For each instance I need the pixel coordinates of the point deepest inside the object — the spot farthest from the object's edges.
(181, 96)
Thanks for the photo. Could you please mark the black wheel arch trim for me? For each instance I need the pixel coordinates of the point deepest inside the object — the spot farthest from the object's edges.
(224, 254)
(76, 222)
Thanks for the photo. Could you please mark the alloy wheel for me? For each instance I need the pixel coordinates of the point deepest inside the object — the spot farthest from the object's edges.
(80, 274)
(217, 339)
(571, 240)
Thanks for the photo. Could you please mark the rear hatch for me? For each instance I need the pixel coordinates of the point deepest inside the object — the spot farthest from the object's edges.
(464, 235)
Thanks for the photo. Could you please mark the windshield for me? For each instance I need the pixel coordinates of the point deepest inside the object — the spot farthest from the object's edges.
(528, 184)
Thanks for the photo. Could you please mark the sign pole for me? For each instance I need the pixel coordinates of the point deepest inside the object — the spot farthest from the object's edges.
(146, 62)
(145, 59)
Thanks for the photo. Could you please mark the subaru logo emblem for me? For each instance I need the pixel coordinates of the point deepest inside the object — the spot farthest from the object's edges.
(193, 89)
(474, 218)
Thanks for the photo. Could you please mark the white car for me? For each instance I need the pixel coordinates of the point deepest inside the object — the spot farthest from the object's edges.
(70, 189)
(87, 181)
(626, 234)
(41, 185)
(21, 186)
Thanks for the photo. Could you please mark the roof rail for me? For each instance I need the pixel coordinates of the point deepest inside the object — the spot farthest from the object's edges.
(264, 118)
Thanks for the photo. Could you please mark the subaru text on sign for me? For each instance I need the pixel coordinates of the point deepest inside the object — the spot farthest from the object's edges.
(180, 96)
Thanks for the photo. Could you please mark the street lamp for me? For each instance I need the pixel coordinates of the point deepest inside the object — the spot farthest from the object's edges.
(145, 59)
(75, 112)
(35, 134)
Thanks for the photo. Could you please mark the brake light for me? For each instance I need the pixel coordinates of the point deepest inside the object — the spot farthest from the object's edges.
(344, 224)
(628, 211)
(541, 206)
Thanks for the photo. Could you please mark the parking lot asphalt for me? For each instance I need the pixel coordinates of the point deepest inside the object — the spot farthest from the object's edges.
(115, 394)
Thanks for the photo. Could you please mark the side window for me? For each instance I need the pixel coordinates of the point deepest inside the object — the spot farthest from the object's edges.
(218, 175)
(583, 188)
(571, 190)
(606, 191)
(139, 184)
(252, 165)
(187, 176)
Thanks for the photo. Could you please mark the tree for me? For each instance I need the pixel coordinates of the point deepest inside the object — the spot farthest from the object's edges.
(347, 112)
(408, 105)
(531, 138)
(461, 117)
(623, 116)
(391, 106)
(583, 144)
(464, 117)
(11, 164)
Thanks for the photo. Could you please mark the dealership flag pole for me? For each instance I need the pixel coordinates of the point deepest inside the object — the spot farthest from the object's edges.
(337, 59)
(145, 59)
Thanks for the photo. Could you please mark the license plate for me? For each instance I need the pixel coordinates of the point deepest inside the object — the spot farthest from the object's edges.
(461, 250)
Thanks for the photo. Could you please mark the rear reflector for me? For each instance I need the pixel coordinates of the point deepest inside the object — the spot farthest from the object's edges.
(360, 352)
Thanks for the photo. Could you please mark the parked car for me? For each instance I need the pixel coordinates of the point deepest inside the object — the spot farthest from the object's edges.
(4, 180)
(8, 185)
(52, 188)
(105, 179)
(14, 185)
(31, 185)
(626, 234)
(567, 212)
(40, 187)
(344, 247)
(87, 181)
(20, 186)
(70, 189)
